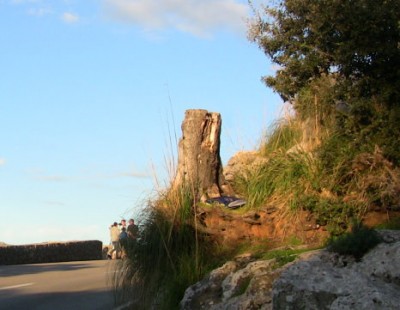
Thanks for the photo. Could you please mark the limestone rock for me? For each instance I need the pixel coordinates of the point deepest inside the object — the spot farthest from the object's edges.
(235, 285)
(383, 263)
(389, 236)
(203, 294)
(316, 280)
(242, 162)
(326, 282)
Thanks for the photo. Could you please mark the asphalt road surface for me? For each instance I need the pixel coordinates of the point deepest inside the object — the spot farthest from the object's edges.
(58, 286)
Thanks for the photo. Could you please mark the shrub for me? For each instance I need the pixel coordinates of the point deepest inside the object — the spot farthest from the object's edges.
(330, 210)
(356, 243)
(168, 256)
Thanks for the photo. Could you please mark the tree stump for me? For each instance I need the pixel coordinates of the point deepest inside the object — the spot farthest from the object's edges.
(199, 162)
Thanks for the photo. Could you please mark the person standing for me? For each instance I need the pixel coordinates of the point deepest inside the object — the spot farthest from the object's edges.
(123, 242)
(123, 224)
(114, 235)
(132, 230)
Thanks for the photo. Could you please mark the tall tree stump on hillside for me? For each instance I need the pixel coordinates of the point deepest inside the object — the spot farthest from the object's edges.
(199, 162)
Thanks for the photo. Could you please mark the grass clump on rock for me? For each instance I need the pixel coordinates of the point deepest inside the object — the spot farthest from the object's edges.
(356, 243)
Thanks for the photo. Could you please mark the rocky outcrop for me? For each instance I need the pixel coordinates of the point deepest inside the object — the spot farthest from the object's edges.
(241, 163)
(316, 280)
(329, 281)
(239, 284)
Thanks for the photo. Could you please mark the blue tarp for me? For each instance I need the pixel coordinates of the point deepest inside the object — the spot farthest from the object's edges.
(228, 201)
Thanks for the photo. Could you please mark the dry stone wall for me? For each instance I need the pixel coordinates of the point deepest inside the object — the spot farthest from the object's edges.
(51, 252)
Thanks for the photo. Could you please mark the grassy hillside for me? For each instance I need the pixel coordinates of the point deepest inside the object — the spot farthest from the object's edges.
(316, 164)
(311, 165)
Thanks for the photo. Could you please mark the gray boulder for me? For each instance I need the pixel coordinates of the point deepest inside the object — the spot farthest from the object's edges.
(316, 280)
(330, 281)
(236, 285)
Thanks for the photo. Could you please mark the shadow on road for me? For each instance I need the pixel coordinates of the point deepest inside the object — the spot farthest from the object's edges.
(99, 300)
(14, 270)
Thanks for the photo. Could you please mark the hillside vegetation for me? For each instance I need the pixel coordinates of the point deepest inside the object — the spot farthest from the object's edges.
(335, 155)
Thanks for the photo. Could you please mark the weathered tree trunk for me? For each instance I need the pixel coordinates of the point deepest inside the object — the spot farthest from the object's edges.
(199, 162)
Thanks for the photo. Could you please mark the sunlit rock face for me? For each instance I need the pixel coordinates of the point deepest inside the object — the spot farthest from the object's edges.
(239, 284)
(326, 282)
(241, 163)
(316, 280)
(330, 281)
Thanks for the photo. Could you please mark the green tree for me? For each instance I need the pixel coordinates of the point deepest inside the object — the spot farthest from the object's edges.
(356, 40)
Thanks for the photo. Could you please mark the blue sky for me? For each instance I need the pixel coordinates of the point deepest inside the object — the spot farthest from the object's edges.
(91, 92)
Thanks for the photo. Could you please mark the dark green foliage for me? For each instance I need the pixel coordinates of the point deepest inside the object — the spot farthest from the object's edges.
(339, 67)
(356, 40)
(375, 124)
(338, 52)
(333, 213)
(356, 243)
(336, 154)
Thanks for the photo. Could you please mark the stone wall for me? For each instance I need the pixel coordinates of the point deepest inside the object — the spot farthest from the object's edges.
(51, 252)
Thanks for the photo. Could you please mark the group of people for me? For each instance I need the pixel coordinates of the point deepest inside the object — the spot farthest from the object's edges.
(122, 236)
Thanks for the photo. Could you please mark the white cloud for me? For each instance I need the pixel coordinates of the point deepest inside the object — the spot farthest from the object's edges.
(70, 18)
(54, 203)
(39, 11)
(41, 175)
(198, 17)
(36, 8)
(52, 178)
(2, 161)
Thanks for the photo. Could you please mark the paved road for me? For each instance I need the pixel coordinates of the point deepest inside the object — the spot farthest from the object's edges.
(59, 286)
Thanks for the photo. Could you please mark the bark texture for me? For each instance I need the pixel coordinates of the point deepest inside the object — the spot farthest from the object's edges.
(199, 162)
